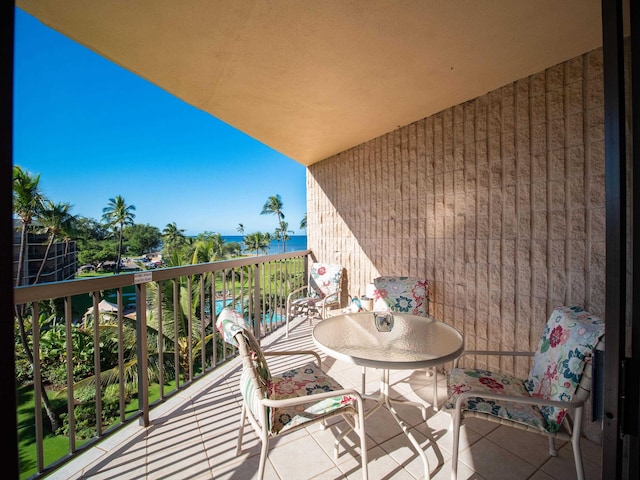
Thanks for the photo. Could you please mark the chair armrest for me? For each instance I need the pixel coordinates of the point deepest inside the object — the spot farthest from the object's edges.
(295, 352)
(491, 353)
(324, 301)
(334, 294)
(287, 402)
(297, 290)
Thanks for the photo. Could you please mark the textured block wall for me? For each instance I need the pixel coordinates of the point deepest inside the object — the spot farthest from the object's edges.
(499, 201)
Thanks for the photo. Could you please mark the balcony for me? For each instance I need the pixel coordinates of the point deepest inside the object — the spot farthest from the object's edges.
(191, 431)
(497, 193)
(194, 436)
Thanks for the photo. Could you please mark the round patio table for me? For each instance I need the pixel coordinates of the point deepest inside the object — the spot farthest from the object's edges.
(389, 342)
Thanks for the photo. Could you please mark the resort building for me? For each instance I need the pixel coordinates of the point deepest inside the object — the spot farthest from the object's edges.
(61, 263)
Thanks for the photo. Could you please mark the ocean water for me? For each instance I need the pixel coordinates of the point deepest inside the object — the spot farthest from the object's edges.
(295, 243)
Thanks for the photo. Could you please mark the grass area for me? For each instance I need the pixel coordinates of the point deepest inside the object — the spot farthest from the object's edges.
(55, 446)
(94, 274)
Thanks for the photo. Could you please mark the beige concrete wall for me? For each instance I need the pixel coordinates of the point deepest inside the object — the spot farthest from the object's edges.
(499, 202)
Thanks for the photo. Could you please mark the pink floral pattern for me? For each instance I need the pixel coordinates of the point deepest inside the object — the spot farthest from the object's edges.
(465, 380)
(324, 280)
(491, 384)
(401, 294)
(294, 383)
(569, 338)
(299, 382)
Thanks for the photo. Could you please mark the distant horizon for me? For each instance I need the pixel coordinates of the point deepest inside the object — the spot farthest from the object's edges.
(294, 243)
(273, 239)
(242, 236)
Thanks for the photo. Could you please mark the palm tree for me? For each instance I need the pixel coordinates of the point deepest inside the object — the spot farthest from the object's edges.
(234, 249)
(240, 229)
(28, 202)
(55, 219)
(282, 233)
(69, 231)
(172, 236)
(303, 222)
(273, 206)
(208, 247)
(257, 242)
(117, 214)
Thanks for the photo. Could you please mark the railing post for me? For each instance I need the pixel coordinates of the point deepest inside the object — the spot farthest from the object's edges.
(256, 301)
(142, 352)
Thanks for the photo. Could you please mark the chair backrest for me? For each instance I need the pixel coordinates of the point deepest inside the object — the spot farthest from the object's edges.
(565, 347)
(401, 294)
(324, 279)
(256, 377)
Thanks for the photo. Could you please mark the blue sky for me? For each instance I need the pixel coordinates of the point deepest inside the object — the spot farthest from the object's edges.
(93, 130)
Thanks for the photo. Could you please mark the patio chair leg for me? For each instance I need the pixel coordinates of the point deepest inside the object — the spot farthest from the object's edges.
(456, 444)
(359, 424)
(575, 443)
(241, 429)
(286, 321)
(577, 456)
(263, 458)
(355, 424)
(552, 447)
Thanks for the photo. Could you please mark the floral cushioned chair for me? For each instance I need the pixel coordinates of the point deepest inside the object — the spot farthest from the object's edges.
(404, 295)
(558, 384)
(275, 405)
(323, 291)
(401, 294)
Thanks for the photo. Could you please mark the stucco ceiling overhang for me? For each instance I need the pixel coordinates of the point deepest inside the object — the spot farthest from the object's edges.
(314, 78)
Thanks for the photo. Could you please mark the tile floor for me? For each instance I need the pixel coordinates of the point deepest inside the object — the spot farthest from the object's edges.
(194, 434)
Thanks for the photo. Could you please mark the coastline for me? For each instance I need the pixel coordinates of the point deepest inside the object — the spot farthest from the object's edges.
(295, 243)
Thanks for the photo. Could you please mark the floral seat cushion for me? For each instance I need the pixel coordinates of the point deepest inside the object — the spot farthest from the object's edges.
(401, 294)
(296, 383)
(570, 336)
(461, 380)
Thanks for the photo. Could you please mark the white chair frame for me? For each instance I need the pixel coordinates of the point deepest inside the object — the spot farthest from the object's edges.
(310, 303)
(570, 429)
(355, 418)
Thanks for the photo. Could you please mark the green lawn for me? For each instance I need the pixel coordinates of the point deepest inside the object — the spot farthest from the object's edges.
(55, 446)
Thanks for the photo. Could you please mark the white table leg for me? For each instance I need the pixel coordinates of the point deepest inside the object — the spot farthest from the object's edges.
(384, 388)
(384, 400)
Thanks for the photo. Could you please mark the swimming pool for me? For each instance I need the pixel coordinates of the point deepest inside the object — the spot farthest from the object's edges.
(220, 304)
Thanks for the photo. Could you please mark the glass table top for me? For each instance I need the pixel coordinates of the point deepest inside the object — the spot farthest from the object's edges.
(413, 341)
